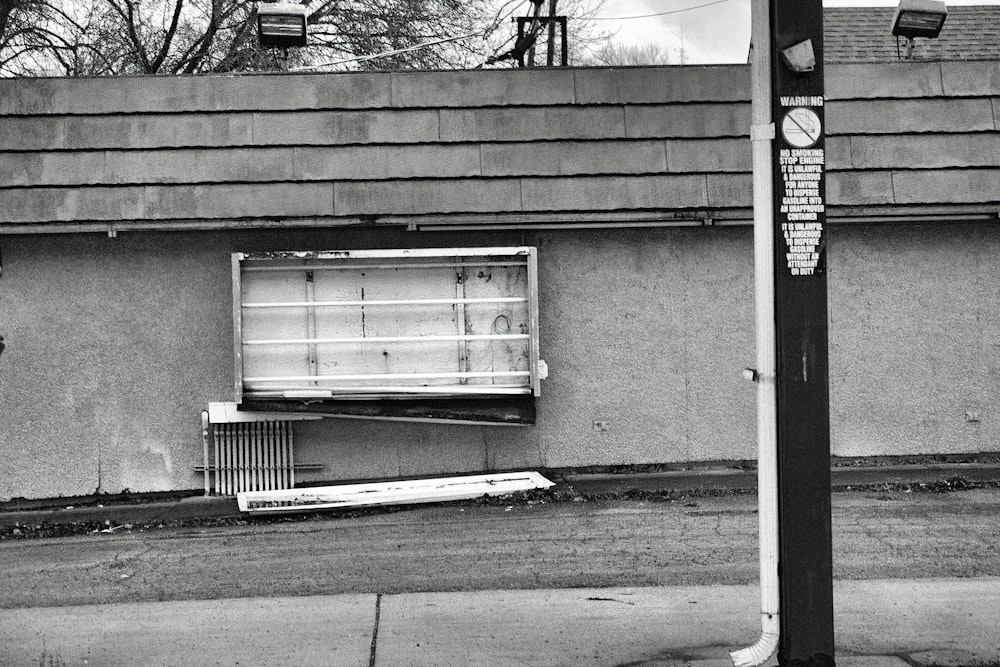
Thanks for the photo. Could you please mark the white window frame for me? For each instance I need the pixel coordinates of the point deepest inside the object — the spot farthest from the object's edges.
(317, 386)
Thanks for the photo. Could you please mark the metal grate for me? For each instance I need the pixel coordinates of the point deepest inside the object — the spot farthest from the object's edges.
(252, 456)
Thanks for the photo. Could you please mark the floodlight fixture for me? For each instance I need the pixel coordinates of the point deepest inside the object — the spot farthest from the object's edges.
(282, 24)
(919, 18)
(800, 57)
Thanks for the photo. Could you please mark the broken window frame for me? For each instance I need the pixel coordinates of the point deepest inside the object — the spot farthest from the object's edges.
(434, 398)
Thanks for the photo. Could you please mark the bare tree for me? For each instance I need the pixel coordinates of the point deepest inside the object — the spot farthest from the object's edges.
(32, 36)
(616, 54)
(116, 37)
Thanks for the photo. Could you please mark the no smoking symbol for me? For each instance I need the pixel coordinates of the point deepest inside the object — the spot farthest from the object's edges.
(801, 128)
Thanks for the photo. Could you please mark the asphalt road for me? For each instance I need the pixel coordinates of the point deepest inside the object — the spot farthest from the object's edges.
(471, 547)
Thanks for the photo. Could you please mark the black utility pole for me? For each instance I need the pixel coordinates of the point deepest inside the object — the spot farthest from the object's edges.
(800, 298)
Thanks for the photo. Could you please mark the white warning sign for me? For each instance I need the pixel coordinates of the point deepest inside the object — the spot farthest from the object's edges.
(802, 207)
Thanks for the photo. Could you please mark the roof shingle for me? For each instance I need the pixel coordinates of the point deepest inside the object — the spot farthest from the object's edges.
(864, 35)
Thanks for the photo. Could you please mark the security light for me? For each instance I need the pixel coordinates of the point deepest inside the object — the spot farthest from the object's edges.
(800, 57)
(281, 24)
(919, 18)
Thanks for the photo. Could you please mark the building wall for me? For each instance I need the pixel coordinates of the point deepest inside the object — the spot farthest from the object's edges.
(914, 338)
(114, 346)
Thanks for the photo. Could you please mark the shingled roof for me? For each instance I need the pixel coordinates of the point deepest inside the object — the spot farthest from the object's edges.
(863, 35)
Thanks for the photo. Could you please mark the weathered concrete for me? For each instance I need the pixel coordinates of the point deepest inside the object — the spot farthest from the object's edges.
(103, 386)
(532, 124)
(114, 346)
(921, 152)
(887, 623)
(894, 80)
(965, 185)
(568, 158)
(975, 78)
(913, 115)
(689, 120)
(596, 627)
(272, 631)
(585, 193)
(418, 144)
(641, 85)
(405, 197)
(155, 94)
(914, 331)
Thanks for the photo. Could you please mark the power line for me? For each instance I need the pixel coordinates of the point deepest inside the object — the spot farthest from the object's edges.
(384, 53)
(646, 16)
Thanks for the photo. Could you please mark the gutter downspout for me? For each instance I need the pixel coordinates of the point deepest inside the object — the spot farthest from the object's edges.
(761, 137)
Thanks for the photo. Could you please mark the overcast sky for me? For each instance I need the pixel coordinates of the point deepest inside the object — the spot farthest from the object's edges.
(712, 31)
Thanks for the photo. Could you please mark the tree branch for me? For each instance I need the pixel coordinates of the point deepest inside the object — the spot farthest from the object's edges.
(169, 37)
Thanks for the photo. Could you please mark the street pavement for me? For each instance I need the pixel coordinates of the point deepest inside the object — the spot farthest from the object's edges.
(947, 622)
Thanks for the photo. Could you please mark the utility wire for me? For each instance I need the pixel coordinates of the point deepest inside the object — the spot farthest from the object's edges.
(357, 59)
(646, 16)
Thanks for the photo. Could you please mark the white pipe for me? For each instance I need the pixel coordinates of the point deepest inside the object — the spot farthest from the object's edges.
(386, 339)
(386, 376)
(387, 302)
(205, 437)
(761, 135)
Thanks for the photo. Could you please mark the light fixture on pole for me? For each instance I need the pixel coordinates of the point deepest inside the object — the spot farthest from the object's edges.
(918, 18)
(282, 24)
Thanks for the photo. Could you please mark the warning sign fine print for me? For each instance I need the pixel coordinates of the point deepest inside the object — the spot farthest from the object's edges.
(801, 209)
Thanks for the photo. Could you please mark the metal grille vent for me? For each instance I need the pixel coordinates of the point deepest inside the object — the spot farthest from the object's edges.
(253, 456)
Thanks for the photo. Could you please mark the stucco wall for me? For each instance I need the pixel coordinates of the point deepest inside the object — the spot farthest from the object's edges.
(114, 346)
(914, 338)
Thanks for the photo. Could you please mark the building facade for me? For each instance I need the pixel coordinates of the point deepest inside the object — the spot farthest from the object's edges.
(122, 202)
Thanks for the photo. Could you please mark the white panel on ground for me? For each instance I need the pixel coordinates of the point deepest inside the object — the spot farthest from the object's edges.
(399, 492)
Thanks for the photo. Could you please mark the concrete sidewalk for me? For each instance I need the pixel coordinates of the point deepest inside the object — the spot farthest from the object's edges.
(879, 623)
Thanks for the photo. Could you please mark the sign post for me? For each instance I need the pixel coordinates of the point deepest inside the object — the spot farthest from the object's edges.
(800, 304)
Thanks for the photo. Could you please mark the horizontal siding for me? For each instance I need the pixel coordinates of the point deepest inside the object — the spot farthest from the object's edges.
(884, 81)
(478, 88)
(615, 193)
(694, 121)
(182, 202)
(670, 141)
(725, 83)
(954, 186)
(567, 158)
(905, 80)
(533, 124)
(156, 94)
(427, 197)
(911, 116)
(925, 151)
(460, 89)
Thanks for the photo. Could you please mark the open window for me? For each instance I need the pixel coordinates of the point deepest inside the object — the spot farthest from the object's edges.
(415, 333)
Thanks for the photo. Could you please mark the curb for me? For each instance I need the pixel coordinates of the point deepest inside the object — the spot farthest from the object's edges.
(90, 514)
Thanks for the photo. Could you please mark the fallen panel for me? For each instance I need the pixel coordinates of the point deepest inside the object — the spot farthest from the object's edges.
(400, 492)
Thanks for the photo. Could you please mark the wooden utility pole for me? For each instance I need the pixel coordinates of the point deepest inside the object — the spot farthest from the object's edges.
(550, 57)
